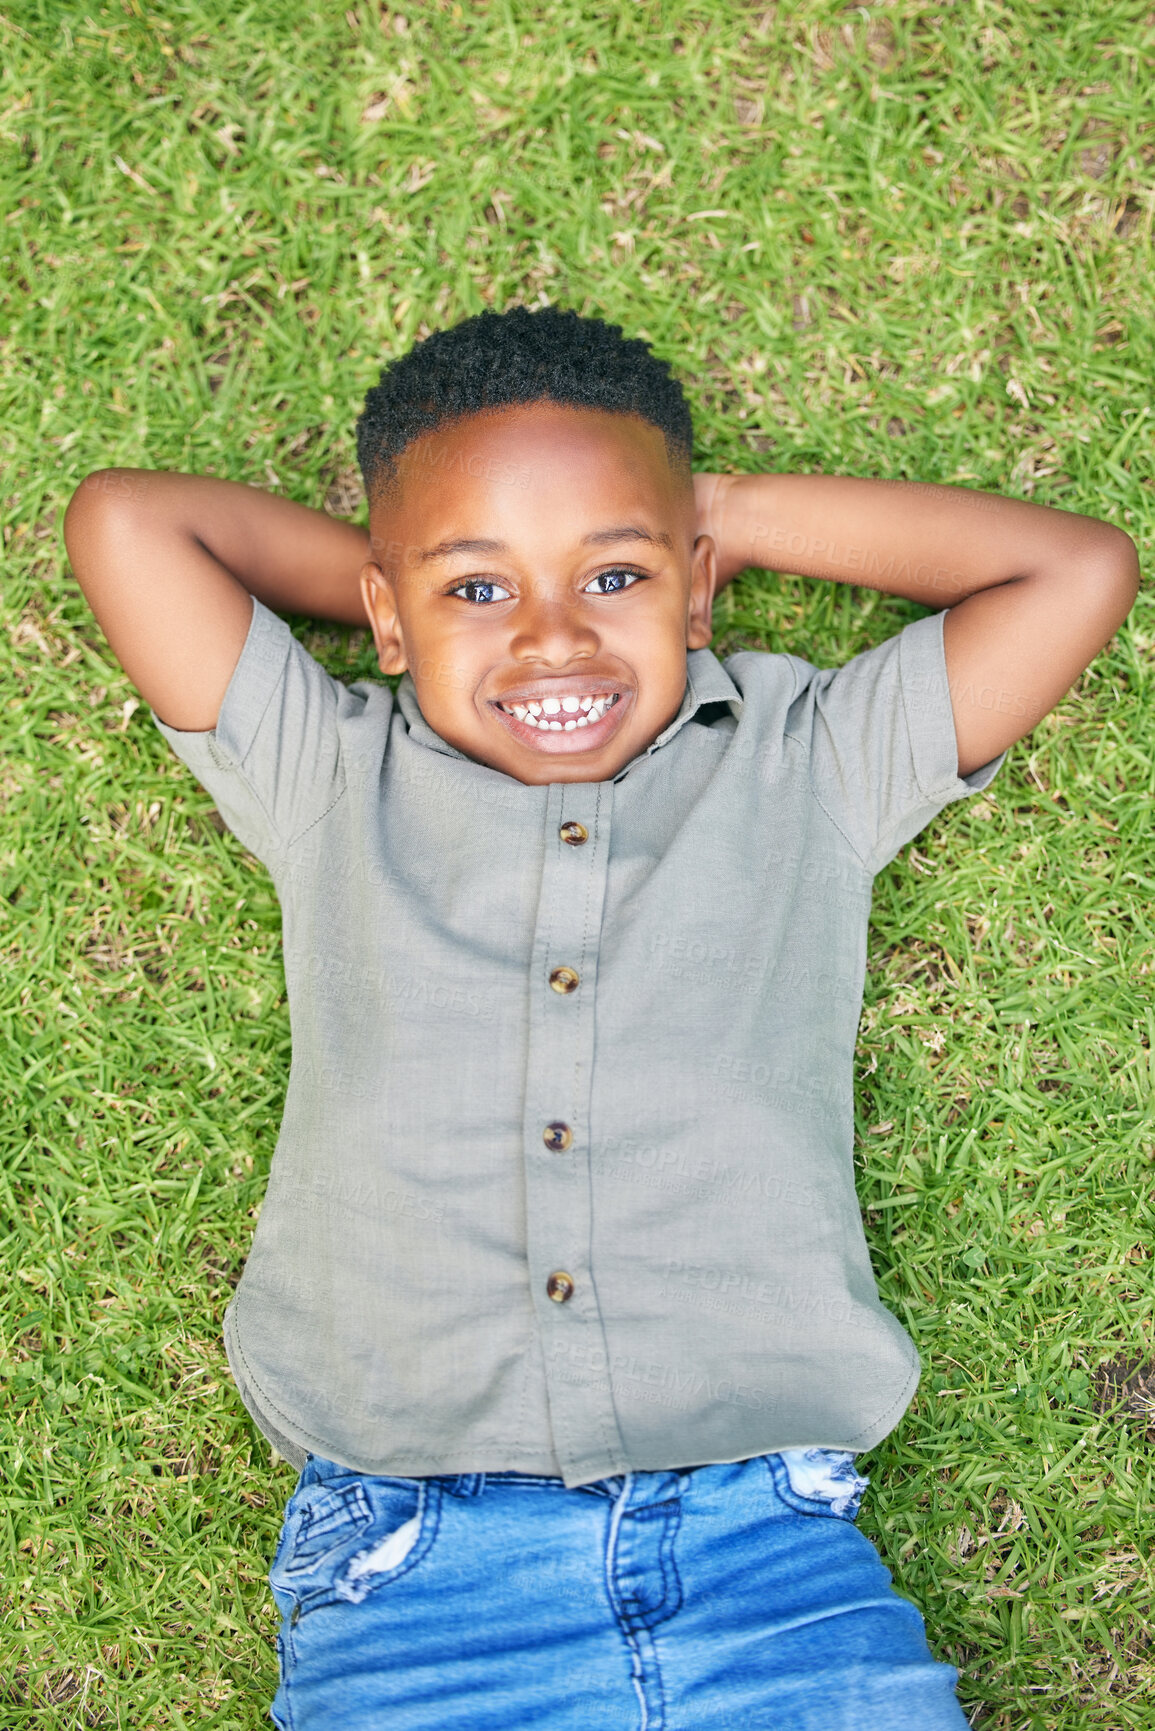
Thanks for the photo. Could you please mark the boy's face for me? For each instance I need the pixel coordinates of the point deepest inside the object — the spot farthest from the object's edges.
(542, 556)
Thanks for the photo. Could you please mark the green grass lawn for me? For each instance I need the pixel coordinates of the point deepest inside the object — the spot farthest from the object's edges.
(903, 240)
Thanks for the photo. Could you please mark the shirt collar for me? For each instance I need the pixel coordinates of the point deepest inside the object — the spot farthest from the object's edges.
(706, 682)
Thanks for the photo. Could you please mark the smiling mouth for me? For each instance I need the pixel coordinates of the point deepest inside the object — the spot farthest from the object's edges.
(581, 721)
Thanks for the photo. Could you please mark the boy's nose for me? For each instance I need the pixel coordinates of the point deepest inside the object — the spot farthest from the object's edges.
(552, 629)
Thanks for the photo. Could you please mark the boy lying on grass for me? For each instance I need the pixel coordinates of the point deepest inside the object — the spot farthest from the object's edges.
(560, 1298)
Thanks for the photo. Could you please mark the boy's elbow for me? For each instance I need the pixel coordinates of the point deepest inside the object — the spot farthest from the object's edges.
(1128, 576)
(91, 520)
(87, 504)
(1123, 551)
(79, 521)
(1113, 567)
(104, 487)
(78, 517)
(89, 492)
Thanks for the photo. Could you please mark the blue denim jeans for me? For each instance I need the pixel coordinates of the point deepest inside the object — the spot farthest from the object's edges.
(738, 1597)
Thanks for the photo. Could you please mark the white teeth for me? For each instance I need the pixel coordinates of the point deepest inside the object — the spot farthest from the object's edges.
(581, 711)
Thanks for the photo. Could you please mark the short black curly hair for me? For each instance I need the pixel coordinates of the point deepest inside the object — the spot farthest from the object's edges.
(497, 360)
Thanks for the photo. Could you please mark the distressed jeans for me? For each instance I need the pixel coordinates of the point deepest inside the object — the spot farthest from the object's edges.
(708, 1599)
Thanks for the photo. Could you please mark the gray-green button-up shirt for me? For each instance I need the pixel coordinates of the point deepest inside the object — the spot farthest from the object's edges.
(511, 1225)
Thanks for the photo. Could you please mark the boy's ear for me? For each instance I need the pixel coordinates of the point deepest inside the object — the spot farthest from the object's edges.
(703, 582)
(381, 606)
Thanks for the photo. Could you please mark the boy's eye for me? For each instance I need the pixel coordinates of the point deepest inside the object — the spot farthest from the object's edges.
(482, 584)
(619, 578)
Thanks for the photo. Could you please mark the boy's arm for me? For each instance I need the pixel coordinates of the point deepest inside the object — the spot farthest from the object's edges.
(168, 563)
(1033, 593)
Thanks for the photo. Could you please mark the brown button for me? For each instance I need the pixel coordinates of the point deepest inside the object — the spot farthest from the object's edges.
(564, 980)
(574, 833)
(558, 1137)
(559, 1287)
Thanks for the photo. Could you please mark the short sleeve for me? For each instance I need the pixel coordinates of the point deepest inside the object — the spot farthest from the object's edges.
(273, 763)
(881, 741)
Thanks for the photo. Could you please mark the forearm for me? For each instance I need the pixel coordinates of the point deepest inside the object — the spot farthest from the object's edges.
(169, 564)
(1032, 593)
(292, 558)
(929, 543)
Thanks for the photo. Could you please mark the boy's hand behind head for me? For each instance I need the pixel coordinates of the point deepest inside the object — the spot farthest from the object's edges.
(536, 569)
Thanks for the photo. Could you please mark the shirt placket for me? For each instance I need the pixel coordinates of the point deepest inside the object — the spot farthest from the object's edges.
(557, 1142)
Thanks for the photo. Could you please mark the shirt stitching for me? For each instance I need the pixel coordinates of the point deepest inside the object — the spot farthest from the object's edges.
(792, 739)
(240, 764)
(586, 942)
(609, 1443)
(290, 1421)
(904, 654)
(320, 818)
(897, 1405)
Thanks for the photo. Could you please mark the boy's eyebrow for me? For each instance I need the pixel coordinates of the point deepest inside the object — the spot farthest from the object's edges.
(446, 549)
(596, 538)
(628, 532)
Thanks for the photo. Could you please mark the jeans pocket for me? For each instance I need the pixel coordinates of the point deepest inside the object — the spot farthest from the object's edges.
(347, 1536)
(818, 1481)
